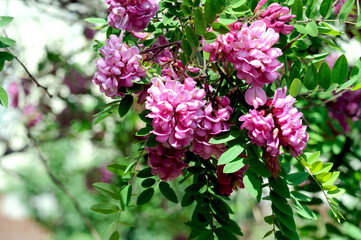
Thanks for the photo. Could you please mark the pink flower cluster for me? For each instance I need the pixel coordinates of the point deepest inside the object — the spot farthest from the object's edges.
(250, 50)
(215, 121)
(278, 124)
(119, 67)
(346, 107)
(131, 15)
(276, 17)
(231, 181)
(166, 161)
(175, 110)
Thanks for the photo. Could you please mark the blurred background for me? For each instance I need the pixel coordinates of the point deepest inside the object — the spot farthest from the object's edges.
(51, 153)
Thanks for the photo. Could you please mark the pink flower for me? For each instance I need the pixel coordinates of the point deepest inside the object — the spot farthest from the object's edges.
(255, 97)
(13, 91)
(230, 181)
(131, 15)
(175, 109)
(119, 67)
(166, 161)
(214, 121)
(259, 5)
(276, 18)
(32, 116)
(253, 56)
(279, 125)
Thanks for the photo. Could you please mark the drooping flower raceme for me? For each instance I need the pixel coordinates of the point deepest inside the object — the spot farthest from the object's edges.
(276, 18)
(131, 15)
(166, 161)
(118, 68)
(231, 181)
(175, 109)
(214, 121)
(279, 124)
(253, 56)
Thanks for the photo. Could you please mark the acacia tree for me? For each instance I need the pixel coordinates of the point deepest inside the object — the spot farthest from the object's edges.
(219, 82)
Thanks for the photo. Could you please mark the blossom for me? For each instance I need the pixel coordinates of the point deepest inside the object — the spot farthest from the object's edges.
(230, 181)
(118, 68)
(32, 116)
(276, 18)
(255, 97)
(214, 121)
(131, 15)
(278, 125)
(176, 109)
(166, 161)
(253, 56)
(220, 48)
(13, 91)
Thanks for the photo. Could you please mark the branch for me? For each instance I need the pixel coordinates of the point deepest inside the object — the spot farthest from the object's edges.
(30, 75)
(160, 47)
(290, 43)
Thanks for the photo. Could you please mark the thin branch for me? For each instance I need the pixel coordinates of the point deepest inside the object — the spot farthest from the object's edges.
(60, 185)
(30, 75)
(160, 47)
(290, 43)
(135, 165)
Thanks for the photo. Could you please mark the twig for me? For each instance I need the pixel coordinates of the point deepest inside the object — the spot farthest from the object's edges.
(290, 43)
(60, 185)
(160, 47)
(135, 165)
(30, 75)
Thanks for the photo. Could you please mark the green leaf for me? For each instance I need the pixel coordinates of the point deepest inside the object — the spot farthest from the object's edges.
(108, 190)
(233, 227)
(285, 219)
(325, 167)
(252, 183)
(125, 194)
(280, 187)
(4, 100)
(336, 192)
(152, 141)
(227, 19)
(5, 20)
(340, 70)
(206, 235)
(328, 29)
(313, 157)
(145, 196)
(281, 203)
(145, 173)
(234, 165)
(324, 76)
(196, 188)
(346, 9)
(220, 208)
(96, 20)
(323, 177)
(230, 154)
(114, 236)
(333, 178)
(311, 10)
(199, 21)
(186, 47)
(223, 234)
(329, 187)
(304, 211)
(295, 87)
(144, 131)
(297, 9)
(117, 168)
(6, 42)
(356, 70)
(351, 230)
(297, 178)
(257, 166)
(310, 79)
(186, 10)
(267, 234)
(149, 182)
(192, 37)
(316, 166)
(209, 14)
(300, 196)
(312, 29)
(326, 8)
(228, 136)
(168, 192)
(268, 219)
(124, 105)
(220, 28)
(187, 200)
(105, 208)
(210, 37)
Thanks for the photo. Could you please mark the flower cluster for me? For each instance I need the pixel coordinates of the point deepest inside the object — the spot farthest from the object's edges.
(166, 161)
(131, 15)
(175, 110)
(231, 181)
(276, 17)
(119, 67)
(250, 50)
(277, 124)
(346, 107)
(214, 121)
